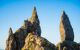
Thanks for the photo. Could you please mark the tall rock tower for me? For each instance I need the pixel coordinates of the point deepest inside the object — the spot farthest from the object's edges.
(66, 30)
(34, 17)
(35, 22)
(67, 35)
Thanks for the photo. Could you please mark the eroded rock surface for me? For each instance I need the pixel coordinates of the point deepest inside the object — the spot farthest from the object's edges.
(35, 42)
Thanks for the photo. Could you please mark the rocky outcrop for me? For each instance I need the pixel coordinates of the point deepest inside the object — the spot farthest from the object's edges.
(67, 35)
(28, 36)
(35, 22)
(11, 42)
(66, 30)
(30, 25)
(34, 42)
(68, 45)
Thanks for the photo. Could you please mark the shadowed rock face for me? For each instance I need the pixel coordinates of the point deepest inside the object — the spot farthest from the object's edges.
(66, 30)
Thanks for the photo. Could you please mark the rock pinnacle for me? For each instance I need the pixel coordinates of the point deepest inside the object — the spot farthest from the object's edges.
(66, 30)
(34, 17)
(10, 31)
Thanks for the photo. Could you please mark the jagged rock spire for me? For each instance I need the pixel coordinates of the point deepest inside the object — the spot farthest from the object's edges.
(34, 13)
(10, 31)
(34, 17)
(35, 22)
(66, 30)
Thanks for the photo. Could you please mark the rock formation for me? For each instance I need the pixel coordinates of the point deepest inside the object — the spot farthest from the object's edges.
(66, 30)
(35, 22)
(30, 25)
(11, 42)
(67, 35)
(34, 42)
(28, 36)
(31, 31)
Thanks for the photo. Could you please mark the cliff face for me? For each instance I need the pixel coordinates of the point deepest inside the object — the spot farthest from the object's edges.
(28, 36)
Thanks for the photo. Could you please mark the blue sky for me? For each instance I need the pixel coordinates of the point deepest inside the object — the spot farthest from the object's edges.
(14, 12)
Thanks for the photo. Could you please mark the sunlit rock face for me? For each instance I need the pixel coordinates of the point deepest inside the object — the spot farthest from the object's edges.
(35, 42)
(66, 30)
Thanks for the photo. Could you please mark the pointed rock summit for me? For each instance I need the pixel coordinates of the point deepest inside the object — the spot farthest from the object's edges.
(10, 31)
(11, 42)
(34, 13)
(34, 17)
(66, 30)
(35, 22)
